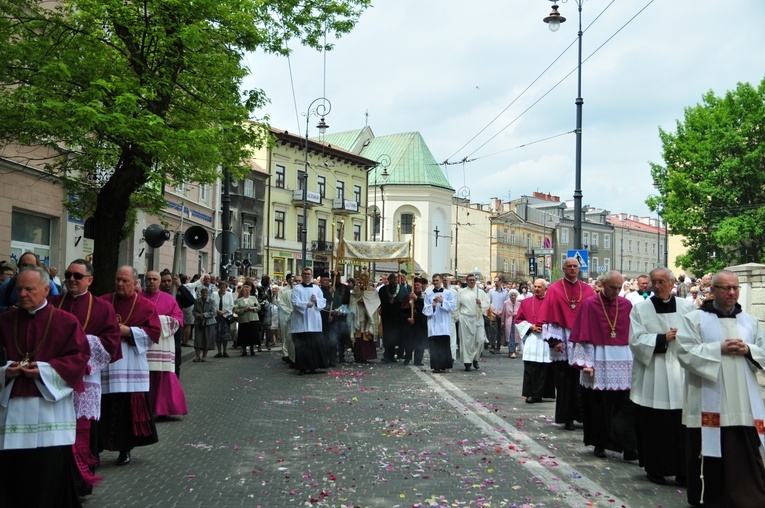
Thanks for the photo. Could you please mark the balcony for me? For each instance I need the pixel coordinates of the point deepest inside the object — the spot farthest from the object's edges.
(344, 206)
(321, 246)
(312, 198)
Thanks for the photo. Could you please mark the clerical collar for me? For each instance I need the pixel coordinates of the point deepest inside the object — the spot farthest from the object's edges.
(732, 312)
(38, 309)
(310, 284)
(570, 282)
(74, 297)
(439, 290)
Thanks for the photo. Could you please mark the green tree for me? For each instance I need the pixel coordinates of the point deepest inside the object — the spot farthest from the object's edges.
(129, 95)
(712, 183)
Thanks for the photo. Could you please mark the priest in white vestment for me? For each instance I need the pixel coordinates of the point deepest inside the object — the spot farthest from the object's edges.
(722, 348)
(657, 380)
(473, 305)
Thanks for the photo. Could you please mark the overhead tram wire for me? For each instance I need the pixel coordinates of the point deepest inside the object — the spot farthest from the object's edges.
(292, 86)
(523, 145)
(569, 74)
(529, 86)
(467, 158)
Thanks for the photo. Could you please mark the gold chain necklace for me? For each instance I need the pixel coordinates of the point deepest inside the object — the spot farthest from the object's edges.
(132, 308)
(571, 301)
(616, 315)
(29, 356)
(90, 307)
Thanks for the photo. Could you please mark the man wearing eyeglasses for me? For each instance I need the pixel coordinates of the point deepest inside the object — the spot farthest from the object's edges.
(8, 288)
(721, 349)
(99, 321)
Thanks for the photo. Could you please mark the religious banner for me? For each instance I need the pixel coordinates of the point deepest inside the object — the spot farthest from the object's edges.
(373, 251)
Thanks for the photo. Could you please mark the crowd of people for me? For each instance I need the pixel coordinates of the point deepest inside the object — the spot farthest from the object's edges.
(659, 370)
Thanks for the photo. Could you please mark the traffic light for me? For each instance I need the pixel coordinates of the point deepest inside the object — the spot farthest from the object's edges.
(533, 266)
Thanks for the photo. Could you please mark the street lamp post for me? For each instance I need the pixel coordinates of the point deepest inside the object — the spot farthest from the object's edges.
(384, 162)
(553, 22)
(320, 110)
(660, 209)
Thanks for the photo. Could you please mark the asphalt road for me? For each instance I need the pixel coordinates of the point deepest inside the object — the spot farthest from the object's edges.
(374, 435)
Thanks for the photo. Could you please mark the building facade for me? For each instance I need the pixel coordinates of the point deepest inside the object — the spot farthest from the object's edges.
(334, 199)
(408, 193)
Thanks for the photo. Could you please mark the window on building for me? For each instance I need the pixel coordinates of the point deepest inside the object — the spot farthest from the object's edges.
(249, 188)
(182, 188)
(377, 222)
(300, 179)
(586, 239)
(321, 230)
(299, 228)
(247, 229)
(356, 232)
(280, 176)
(505, 266)
(279, 225)
(646, 247)
(357, 194)
(595, 240)
(594, 264)
(564, 236)
(607, 264)
(606, 241)
(512, 237)
(340, 190)
(629, 265)
(321, 182)
(204, 193)
(645, 269)
(30, 233)
(637, 246)
(513, 268)
(407, 220)
(629, 245)
(505, 236)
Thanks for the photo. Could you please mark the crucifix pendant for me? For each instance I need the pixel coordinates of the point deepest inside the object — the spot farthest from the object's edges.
(573, 306)
(613, 335)
(25, 362)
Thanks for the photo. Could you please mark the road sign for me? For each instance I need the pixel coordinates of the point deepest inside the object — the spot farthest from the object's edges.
(582, 257)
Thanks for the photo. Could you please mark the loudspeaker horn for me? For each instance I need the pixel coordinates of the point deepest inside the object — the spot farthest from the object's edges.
(196, 237)
(155, 235)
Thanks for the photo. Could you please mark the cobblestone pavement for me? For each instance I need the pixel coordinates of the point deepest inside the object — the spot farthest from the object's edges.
(374, 435)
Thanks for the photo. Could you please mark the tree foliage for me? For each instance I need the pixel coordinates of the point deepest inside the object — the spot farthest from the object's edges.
(132, 94)
(712, 183)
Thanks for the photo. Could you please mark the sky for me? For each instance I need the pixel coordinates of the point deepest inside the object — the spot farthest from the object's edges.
(447, 68)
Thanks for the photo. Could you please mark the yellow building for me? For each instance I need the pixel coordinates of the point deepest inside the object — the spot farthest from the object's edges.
(336, 191)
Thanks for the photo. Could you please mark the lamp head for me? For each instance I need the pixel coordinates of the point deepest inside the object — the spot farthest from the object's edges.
(554, 19)
(322, 126)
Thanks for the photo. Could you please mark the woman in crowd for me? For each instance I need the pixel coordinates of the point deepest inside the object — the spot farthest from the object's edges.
(273, 318)
(223, 302)
(264, 295)
(204, 336)
(511, 307)
(246, 308)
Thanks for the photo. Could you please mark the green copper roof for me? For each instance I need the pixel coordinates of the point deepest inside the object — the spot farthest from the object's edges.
(411, 162)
